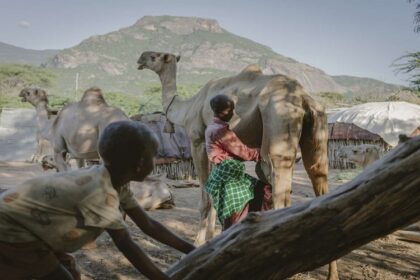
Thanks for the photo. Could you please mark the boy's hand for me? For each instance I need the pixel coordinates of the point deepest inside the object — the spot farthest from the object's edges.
(157, 230)
(135, 254)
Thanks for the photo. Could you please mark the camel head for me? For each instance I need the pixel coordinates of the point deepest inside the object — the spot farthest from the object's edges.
(156, 61)
(33, 95)
(48, 162)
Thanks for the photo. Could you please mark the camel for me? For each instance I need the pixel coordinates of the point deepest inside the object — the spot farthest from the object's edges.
(271, 111)
(39, 99)
(77, 127)
(152, 193)
(361, 155)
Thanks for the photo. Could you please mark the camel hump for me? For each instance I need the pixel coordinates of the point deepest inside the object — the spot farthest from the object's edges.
(252, 68)
(93, 95)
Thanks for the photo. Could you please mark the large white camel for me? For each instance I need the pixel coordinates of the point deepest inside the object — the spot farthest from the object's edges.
(271, 111)
(77, 127)
(76, 130)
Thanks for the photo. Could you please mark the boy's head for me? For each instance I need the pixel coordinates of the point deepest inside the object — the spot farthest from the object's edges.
(222, 107)
(128, 146)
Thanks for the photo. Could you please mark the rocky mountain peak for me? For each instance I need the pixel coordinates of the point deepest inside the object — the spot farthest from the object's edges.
(179, 25)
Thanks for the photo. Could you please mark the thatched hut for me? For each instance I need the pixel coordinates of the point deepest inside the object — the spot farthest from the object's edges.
(345, 134)
(174, 155)
(377, 123)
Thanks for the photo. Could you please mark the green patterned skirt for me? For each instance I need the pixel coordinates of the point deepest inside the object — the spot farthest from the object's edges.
(230, 188)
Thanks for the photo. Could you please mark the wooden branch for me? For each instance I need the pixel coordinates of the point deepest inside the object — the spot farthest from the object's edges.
(281, 243)
(412, 236)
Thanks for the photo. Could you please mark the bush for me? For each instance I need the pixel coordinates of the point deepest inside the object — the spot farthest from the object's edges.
(14, 77)
(58, 102)
(13, 102)
(332, 96)
(130, 104)
(151, 98)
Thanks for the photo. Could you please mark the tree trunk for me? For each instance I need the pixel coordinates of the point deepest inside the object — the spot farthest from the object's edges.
(280, 243)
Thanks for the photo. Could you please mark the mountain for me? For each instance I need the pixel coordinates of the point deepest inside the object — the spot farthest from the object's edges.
(368, 86)
(207, 51)
(12, 54)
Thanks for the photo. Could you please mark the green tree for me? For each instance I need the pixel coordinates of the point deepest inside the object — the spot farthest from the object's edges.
(15, 76)
(126, 102)
(410, 63)
(416, 15)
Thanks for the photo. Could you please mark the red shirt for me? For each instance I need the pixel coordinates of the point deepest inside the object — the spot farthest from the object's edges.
(222, 143)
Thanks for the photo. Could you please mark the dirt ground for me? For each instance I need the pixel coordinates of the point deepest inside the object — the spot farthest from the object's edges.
(386, 258)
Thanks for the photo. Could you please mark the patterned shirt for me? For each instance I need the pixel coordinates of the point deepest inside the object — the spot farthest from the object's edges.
(222, 143)
(65, 210)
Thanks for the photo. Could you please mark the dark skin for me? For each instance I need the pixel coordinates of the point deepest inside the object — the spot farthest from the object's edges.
(120, 175)
(148, 225)
(225, 110)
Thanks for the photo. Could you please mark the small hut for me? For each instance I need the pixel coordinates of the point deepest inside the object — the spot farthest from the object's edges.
(174, 155)
(345, 134)
(377, 123)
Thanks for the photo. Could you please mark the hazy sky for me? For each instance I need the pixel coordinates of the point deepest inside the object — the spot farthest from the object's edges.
(357, 37)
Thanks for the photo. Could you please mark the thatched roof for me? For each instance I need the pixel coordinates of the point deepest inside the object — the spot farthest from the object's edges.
(172, 145)
(349, 131)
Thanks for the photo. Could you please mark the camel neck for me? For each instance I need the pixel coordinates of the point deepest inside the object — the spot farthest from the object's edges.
(42, 111)
(174, 107)
(168, 80)
(42, 118)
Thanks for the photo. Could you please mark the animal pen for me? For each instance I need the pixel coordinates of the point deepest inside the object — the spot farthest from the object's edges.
(345, 134)
(174, 155)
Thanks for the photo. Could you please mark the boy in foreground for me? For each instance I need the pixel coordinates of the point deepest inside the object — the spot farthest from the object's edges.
(45, 218)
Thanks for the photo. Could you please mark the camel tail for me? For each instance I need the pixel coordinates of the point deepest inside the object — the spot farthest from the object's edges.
(313, 143)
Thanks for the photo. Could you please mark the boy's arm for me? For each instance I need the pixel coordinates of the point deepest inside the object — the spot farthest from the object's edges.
(135, 254)
(156, 230)
(232, 144)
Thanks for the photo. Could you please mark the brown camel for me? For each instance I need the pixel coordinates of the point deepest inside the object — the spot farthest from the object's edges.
(152, 193)
(271, 111)
(77, 127)
(39, 99)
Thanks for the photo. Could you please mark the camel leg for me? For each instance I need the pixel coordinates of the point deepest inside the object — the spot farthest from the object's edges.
(281, 131)
(80, 163)
(205, 209)
(212, 224)
(313, 145)
(60, 153)
(37, 155)
(281, 175)
(201, 163)
(316, 166)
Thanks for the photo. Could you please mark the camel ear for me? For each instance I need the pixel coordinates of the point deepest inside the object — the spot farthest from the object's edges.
(178, 57)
